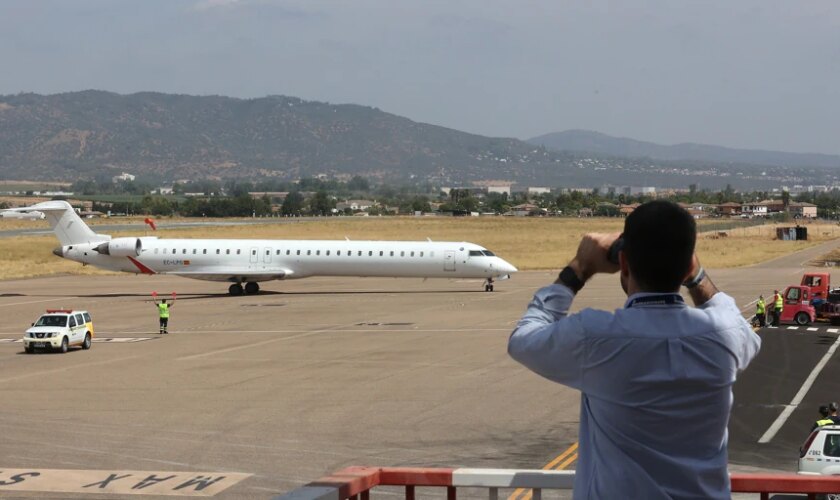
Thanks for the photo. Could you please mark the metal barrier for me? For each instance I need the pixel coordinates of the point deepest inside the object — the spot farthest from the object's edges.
(356, 483)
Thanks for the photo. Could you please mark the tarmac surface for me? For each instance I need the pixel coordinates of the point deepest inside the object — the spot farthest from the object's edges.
(251, 396)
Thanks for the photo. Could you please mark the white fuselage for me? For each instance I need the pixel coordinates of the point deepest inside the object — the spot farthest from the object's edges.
(238, 260)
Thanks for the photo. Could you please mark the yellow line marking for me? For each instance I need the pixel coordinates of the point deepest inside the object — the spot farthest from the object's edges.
(559, 467)
(571, 450)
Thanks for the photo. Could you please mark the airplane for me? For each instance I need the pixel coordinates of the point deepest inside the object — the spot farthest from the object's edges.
(239, 261)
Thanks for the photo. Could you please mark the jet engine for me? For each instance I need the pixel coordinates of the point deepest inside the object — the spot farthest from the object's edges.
(121, 247)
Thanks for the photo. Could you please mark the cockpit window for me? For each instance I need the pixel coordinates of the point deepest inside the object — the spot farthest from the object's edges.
(475, 253)
(488, 253)
(52, 321)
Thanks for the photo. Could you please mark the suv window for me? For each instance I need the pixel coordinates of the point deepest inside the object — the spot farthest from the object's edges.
(79, 320)
(87, 317)
(72, 321)
(831, 448)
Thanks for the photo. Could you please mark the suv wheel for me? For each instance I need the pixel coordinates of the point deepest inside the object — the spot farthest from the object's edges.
(86, 343)
(29, 350)
(64, 345)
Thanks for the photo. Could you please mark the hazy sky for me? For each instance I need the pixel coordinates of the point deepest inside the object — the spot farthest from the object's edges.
(743, 73)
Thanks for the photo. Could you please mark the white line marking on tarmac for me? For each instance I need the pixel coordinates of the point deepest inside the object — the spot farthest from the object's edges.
(749, 305)
(338, 329)
(786, 413)
(35, 302)
(248, 346)
(813, 329)
(65, 368)
(833, 330)
(105, 340)
(793, 328)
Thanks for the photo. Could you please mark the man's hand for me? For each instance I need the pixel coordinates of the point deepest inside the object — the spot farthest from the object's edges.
(593, 255)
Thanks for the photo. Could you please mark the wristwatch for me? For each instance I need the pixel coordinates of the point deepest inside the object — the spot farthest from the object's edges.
(569, 277)
(699, 277)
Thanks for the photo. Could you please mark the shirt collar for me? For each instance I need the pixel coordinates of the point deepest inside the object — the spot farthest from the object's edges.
(643, 295)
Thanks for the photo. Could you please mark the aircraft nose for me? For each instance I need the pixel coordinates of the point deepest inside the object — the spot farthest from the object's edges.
(506, 267)
(58, 251)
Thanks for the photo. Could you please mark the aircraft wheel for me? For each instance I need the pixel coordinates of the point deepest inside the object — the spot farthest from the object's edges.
(235, 289)
(252, 287)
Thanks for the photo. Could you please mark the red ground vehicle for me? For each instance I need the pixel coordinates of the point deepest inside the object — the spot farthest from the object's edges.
(811, 300)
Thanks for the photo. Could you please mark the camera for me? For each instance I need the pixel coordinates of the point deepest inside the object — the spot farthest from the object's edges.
(612, 253)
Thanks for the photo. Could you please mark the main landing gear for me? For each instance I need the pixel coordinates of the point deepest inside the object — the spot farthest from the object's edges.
(488, 285)
(251, 288)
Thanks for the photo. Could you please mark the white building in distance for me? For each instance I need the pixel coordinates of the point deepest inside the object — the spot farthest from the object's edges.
(125, 176)
(499, 189)
(539, 190)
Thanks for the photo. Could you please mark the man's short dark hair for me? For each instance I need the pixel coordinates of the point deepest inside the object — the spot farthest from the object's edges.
(824, 410)
(833, 407)
(659, 238)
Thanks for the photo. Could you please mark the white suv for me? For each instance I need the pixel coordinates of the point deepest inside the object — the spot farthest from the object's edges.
(59, 329)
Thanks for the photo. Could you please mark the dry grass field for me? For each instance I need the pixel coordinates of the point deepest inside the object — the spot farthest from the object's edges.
(528, 243)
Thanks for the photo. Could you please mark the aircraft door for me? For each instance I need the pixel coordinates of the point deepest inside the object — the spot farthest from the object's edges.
(266, 255)
(448, 260)
(254, 257)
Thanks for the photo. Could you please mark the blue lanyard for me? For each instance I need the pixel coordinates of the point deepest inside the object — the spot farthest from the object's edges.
(666, 299)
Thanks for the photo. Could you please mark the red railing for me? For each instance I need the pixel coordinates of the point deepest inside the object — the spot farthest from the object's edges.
(356, 482)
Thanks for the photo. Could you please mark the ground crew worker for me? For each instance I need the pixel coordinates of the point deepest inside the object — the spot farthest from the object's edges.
(832, 413)
(163, 313)
(760, 310)
(824, 418)
(778, 305)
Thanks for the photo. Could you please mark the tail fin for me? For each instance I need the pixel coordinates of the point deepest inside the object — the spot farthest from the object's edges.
(69, 228)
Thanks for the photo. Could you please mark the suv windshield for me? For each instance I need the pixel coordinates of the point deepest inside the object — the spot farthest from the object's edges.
(52, 321)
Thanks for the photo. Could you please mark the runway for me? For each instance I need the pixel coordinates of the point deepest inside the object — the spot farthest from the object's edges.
(275, 390)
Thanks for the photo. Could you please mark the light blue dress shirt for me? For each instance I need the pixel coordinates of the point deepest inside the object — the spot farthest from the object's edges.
(656, 389)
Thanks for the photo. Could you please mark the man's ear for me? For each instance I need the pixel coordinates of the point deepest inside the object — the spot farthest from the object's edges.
(623, 265)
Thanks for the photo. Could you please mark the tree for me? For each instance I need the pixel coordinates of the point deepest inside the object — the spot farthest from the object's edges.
(321, 204)
(358, 183)
(293, 204)
(786, 199)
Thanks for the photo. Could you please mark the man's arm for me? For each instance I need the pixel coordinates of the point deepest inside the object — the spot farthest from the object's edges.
(546, 339)
(703, 291)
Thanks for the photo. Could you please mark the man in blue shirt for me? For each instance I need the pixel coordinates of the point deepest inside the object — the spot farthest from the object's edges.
(656, 376)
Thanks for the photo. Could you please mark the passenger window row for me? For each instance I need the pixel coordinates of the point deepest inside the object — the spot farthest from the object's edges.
(348, 253)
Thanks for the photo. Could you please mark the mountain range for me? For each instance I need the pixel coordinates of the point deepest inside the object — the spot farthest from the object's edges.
(164, 137)
(596, 142)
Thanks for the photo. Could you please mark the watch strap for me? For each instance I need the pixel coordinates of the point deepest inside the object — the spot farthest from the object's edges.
(569, 277)
(700, 276)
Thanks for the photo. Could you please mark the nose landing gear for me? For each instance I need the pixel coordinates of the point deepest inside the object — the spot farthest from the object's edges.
(488, 285)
